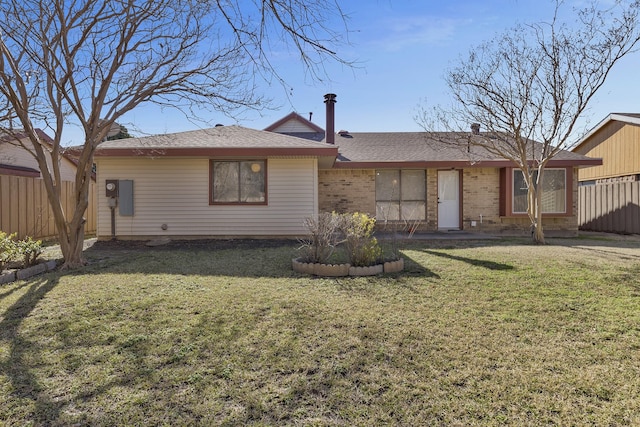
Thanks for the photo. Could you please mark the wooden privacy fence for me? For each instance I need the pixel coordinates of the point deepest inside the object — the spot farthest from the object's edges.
(24, 207)
(612, 207)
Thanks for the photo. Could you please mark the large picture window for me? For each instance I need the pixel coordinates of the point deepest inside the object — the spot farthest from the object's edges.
(400, 195)
(238, 182)
(554, 191)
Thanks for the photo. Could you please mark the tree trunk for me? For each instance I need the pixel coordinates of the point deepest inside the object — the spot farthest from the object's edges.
(72, 247)
(534, 210)
(74, 235)
(537, 233)
(71, 224)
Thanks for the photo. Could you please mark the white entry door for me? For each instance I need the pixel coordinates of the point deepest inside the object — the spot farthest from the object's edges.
(449, 199)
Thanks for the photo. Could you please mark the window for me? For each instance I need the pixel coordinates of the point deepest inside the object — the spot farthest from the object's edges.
(400, 195)
(238, 182)
(554, 191)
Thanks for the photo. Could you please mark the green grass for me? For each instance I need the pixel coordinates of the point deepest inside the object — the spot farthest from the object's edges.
(471, 333)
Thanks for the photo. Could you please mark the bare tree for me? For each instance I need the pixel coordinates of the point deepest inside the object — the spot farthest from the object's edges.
(87, 63)
(529, 86)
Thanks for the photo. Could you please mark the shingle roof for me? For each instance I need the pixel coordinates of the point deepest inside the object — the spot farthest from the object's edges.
(393, 147)
(217, 137)
(387, 147)
(220, 141)
(311, 136)
(350, 150)
(19, 134)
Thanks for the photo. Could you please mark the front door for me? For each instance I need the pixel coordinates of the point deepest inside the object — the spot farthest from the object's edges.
(449, 200)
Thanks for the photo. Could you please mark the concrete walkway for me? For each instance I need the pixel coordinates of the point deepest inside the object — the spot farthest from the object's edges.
(439, 235)
(466, 235)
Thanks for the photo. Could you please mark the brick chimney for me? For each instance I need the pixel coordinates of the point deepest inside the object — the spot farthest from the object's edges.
(475, 128)
(330, 133)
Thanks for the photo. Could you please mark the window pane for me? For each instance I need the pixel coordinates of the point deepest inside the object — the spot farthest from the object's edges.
(400, 195)
(387, 211)
(519, 192)
(413, 185)
(252, 182)
(553, 191)
(387, 185)
(413, 211)
(449, 187)
(239, 181)
(225, 182)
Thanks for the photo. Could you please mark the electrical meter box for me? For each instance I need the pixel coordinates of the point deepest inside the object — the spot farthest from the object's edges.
(111, 188)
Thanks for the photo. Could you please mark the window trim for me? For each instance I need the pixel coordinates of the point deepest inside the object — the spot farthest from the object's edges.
(400, 199)
(266, 184)
(506, 193)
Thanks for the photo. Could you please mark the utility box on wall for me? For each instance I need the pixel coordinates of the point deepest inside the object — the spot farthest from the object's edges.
(111, 188)
(125, 197)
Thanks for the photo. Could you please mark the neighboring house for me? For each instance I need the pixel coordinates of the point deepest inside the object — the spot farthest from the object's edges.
(616, 140)
(296, 125)
(610, 193)
(16, 160)
(232, 181)
(24, 205)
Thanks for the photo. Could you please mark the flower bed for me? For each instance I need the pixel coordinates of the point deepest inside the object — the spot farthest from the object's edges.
(342, 270)
(352, 232)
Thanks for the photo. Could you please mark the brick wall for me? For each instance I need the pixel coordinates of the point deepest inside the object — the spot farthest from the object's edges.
(432, 200)
(347, 190)
(481, 199)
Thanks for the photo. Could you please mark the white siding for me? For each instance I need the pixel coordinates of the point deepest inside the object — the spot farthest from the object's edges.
(293, 126)
(176, 192)
(17, 156)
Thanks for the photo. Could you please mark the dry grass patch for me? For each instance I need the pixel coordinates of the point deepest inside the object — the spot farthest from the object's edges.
(472, 333)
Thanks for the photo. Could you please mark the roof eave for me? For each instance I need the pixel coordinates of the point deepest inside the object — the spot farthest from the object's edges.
(218, 152)
(19, 171)
(326, 162)
(456, 164)
(610, 118)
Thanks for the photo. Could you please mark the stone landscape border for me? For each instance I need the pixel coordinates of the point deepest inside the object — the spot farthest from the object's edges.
(9, 276)
(342, 270)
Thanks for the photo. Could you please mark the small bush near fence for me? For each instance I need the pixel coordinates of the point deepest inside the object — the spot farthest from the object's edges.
(25, 252)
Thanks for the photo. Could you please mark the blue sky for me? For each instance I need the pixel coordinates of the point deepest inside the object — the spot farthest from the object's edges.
(403, 48)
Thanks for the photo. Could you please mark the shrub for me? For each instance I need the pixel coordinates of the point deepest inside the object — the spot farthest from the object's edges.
(30, 250)
(354, 231)
(319, 245)
(362, 248)
(7, 248)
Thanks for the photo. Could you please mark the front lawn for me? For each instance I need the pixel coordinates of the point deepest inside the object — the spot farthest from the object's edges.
(471, 333)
